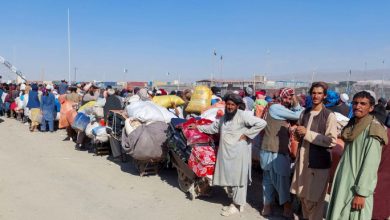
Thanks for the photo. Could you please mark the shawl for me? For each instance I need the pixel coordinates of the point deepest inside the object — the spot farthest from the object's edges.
(353, 130)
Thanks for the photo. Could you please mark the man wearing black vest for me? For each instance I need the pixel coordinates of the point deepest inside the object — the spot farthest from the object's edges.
(318, 134)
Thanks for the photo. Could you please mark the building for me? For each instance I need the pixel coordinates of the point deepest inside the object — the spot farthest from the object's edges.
(132, 85)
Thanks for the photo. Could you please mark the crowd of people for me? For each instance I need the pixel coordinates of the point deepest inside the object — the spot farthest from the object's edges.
(295, 135)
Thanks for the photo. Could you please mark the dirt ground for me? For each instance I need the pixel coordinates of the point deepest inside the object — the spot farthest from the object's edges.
(43, 177)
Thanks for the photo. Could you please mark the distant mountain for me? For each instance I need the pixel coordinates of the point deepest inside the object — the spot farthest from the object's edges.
(356, 75)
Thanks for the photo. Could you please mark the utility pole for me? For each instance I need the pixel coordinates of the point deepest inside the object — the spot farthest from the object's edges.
(349, 78)
(383, 90)
(68, 47)
(75, 74)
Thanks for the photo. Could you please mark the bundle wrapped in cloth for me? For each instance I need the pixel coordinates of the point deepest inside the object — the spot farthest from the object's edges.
(214, 112)
(100, 133)
(66, 109)
(194, 136)
(200, 100)
(87, 107)
(131, 124)
(167, 100)
(90, 127)
(147, 111)
(202, 160)
(147, 141)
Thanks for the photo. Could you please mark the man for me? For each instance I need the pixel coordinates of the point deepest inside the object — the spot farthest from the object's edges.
(341, 106)
(380, 110)
(63, 87)
(112, 103)
(381, 208)
(233, 165)
(73, 95)
(356, 175)
(1, 100)
(274, 154)
(248, 101)
(318, 133)
(216, 97)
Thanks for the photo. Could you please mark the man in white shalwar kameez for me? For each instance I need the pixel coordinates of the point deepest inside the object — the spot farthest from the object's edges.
(233, 165)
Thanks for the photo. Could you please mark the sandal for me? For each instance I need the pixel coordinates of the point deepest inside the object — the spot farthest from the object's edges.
(267, 211)
(225, 208)
(232, 210)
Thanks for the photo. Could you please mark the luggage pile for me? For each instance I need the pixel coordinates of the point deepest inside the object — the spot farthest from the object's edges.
(144, 135)
(193, 154)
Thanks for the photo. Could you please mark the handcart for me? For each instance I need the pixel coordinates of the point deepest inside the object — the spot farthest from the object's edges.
(179, 155)
(115, 124)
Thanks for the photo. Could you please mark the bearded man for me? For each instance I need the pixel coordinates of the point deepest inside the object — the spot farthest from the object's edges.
(274, 154)
(233, 165)
(356, 175)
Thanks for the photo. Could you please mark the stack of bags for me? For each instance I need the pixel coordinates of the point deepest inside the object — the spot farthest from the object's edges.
(144, 136)
(86, 120)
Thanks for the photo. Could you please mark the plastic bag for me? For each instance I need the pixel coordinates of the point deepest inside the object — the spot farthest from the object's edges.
(3, 96)
(220, 104)
(101, 102)
(167, 100)
(58, 116)
(213, 113)
(98, 111)
(89, 128)
(100, 133)
(19, 103)
(88, 105)
(80, 122)
(200, 99)
(194, 136)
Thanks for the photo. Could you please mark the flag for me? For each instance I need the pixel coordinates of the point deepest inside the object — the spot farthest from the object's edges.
(215, 53)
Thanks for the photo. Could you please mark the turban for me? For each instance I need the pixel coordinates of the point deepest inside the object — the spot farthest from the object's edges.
(111, 91)
(344, 97)
(262, 92)
(234, 98)
(249, 90)
(34, 87)
(285, 92)
(331, 98)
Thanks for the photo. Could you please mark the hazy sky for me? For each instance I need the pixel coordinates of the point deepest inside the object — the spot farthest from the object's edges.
(151, 38)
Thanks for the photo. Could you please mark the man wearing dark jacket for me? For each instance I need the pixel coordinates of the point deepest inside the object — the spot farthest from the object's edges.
(112, 103)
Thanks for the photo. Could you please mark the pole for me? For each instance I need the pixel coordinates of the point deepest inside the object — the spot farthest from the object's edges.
(220, 67)
(254, 82)
(383, 90)
(178, 83)
(312, 77)
(68, 47)
(349, 78)
(213, 56)
(75, 74)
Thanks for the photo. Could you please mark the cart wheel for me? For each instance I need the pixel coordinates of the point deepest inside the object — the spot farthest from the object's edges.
(184, 182)
(141, 168)
(192, 192)
(124, 158)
